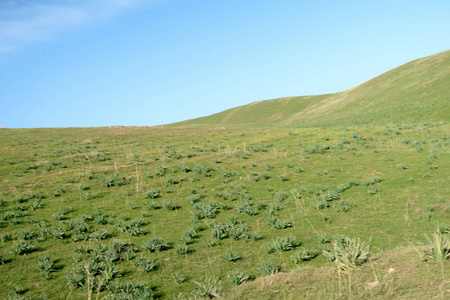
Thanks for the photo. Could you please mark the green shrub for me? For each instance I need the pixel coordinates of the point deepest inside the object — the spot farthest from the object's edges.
(321, 238)
(134, 228)
(146, 265)
(282, 244)
(25, 234)
(57, 233)
(169, 205)
(194, 199)
(344, 206)
(131, 290)
(268, 268)
(320, 204)
(113, 180)
(230, 256)
(283, 178)
(348, 253)
(45, 266)
(238, 277)
(5, 237)
(178, 278)
(153, 206)
(152, 194)
(99, 217)
(331, 195)
(36, 204)
(402, 166)
(208, 288)
(21, 247)
(221, 231)
(84, 187)
(99, 235)
(304, 255)
(277, 223)
(182, 249)
(205, 211)
(184, 168)
(255, 236)
(155, 245)
(439, 245)
(245, 208)
(280, 196)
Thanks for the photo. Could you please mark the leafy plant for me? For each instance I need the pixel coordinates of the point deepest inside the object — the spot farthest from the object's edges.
(255, 236)
(6, 237)
(152, 194)
(205, 211)
(99, 235)
(246, 208)
(21, 247)
(25, 234)
(45, 266)
(277, 223)
(304, 255)
(322, 238)
(283, 178)
(36, 204)
(153, 206)
(109, 272)
(208, 288)
(113, 180)
(344, 206)
(238, 277)
(131, 290)
(146, 265)
(178, 278)
(268, 268)
(230, 256)
(331, 195)
(439, 244)
(348, 253)
(280, 196)
(99, 217)
(182, 249)
(134, 228)
(169, 205)
(282, 244)
(402, 166)
(320, 204)
(155, 245)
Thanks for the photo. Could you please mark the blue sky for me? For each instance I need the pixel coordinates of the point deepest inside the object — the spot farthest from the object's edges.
(80, 63)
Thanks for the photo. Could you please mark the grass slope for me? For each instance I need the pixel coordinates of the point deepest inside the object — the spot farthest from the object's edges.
(209, 192)
(192, 211)
(415, 92)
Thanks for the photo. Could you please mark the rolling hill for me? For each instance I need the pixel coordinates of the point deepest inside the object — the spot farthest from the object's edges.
(418, 91)
(262, 201)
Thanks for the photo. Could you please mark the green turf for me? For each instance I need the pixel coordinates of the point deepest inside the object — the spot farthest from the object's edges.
(196, 204)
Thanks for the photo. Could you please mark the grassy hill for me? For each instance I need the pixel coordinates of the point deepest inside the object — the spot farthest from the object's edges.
(418, 91)
(295, 209)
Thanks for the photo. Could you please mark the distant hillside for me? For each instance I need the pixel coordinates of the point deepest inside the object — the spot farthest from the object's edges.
(418, 91)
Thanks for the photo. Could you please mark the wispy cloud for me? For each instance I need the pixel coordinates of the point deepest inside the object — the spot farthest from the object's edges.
(25, 22)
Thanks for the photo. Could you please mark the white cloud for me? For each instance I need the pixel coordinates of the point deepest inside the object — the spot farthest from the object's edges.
(26, 22)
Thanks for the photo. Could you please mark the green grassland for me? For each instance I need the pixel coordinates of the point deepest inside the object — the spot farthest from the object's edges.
(242, 211)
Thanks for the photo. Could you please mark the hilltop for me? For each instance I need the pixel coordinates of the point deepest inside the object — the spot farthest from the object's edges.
(417, 91)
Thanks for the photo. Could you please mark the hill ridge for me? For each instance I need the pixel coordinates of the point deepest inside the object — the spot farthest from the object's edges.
(413, 92)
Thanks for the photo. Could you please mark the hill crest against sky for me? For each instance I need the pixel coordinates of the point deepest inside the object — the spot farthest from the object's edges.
(417, 91)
